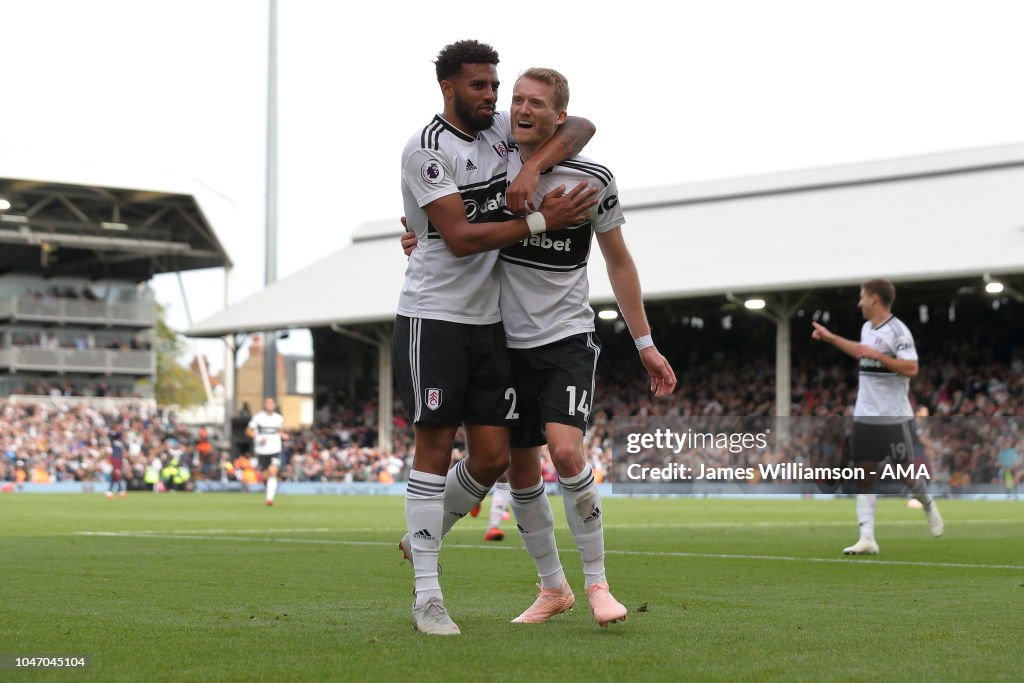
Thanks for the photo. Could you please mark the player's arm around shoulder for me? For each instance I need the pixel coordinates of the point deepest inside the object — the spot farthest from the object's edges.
(448, 215)
(568, 141)
(430, 178)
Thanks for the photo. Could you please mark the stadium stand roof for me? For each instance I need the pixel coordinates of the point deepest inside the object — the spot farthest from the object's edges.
(72, 229)
(933, 217)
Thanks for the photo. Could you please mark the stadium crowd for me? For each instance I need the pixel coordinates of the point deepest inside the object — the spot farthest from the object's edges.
(54, 441)
(50, 441)
(980, 376)
(83, 389)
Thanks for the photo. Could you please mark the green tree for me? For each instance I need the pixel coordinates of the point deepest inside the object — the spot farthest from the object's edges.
(175, 384)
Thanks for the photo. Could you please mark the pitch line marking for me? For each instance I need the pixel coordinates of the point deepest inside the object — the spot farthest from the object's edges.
(401, 529)
(637, 553)
(680, 525)
(794, 523)
(230, 531)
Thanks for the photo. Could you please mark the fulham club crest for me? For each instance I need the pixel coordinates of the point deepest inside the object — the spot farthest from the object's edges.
(501, 149)
(433, 398)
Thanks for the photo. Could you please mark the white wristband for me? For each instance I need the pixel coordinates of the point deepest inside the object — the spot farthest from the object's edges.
(644, 342)
(535, 221)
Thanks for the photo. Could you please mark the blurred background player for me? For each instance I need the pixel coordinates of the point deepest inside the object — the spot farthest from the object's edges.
(1008, 457)
(175, 472)
(499, 510)
(920, 448)
(117, 482)
(882, 418)
(152, 475)
(267, 443)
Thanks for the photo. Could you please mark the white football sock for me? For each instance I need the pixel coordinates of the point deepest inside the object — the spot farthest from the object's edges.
(271, 488)
(583, 512)
(536, 525)
(920, 492)
(499, 501)
(462, 493)
(866, 503)
(424, 508)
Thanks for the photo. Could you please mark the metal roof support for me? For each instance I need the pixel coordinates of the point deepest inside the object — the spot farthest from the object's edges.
(199, 357)
(779, 311)
(385, 389)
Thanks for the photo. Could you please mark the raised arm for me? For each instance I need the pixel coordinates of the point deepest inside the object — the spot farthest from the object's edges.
(901, 366)
(568, 141)
(822, 333)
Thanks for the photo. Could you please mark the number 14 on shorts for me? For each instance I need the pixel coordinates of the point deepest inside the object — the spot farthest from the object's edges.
(582, 406)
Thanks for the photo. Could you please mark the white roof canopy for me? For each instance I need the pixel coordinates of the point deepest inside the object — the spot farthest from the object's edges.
(922, 218)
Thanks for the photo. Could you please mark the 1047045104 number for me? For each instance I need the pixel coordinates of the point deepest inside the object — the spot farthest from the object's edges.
(42, 662)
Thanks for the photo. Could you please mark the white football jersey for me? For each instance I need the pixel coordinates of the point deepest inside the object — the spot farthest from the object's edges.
(883, 396)
(267, 427)
(438, 161)
(545, 294)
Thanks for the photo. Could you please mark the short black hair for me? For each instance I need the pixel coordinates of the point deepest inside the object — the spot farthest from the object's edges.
(451, 58)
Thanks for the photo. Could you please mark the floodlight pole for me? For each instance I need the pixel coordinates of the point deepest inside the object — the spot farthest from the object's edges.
(783, 366)
(270, 336)
(780, 313)
(385, 439)
(230, 349)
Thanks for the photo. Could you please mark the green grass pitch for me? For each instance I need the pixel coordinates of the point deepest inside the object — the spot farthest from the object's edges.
(219, 587)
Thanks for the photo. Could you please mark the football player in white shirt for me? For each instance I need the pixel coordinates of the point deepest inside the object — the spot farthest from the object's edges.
(545, 307)
(883, 417)
(265, 430)
(451, 363)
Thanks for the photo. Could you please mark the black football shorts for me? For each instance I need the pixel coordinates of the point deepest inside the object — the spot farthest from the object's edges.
(451, 373)
(875, 442)
(555, 383)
